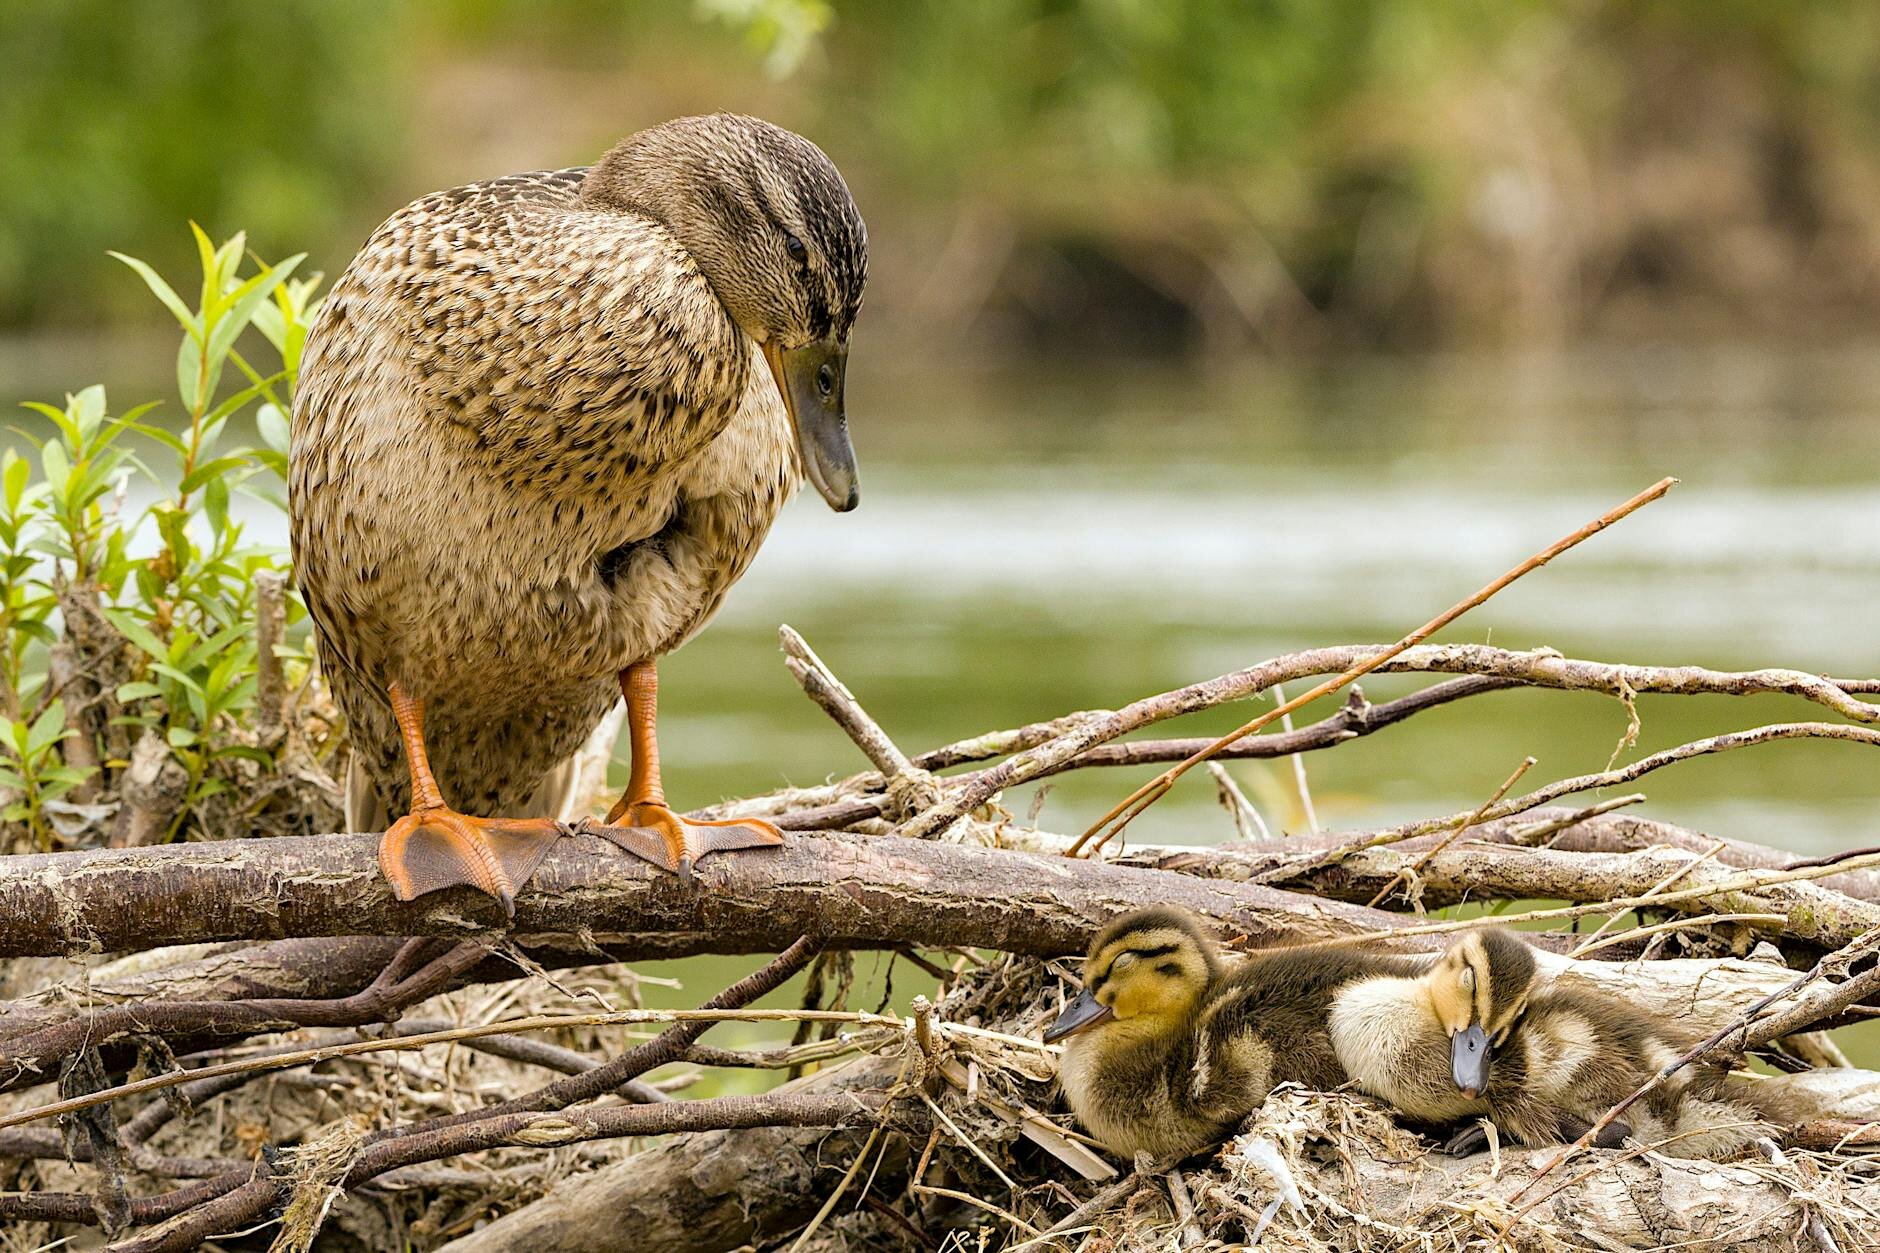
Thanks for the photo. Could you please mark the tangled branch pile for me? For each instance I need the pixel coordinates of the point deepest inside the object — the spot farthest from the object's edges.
(293, 1061)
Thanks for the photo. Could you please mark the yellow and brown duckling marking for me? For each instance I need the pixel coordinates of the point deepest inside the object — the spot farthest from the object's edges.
(1476, 1035)
(1166, 1052)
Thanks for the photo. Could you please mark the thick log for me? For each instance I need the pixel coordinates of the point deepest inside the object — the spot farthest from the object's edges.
(1601, 833)
(1468, 870)
(845, 890)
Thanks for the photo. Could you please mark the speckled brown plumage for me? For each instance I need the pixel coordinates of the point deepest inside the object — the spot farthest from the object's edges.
(535, 438)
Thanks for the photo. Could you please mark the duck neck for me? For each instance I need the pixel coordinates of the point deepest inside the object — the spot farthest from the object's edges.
(699, 196)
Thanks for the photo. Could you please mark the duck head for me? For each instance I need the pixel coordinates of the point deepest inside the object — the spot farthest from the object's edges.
(1477, 991)
(1147, 970)
(773, 229)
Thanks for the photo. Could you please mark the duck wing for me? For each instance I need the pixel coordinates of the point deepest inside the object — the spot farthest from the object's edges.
(555, 332)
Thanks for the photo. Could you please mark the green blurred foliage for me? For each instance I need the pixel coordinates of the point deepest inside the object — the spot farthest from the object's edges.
(1164, 137)
(121, 118)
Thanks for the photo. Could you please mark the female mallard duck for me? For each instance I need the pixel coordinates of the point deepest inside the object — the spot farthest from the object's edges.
(543, 424)
(1473, 1036)
(1165, 1053)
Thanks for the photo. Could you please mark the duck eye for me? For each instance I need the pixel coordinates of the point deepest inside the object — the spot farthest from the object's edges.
(1123, 962)
(794, 246)
(826, 380)
(1466, 980)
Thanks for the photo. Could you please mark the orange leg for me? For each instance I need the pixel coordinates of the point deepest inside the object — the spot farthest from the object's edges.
(435, 847)
(651, 830)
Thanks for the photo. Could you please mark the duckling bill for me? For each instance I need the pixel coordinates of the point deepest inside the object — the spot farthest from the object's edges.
(1084, 1012)
(543, 424)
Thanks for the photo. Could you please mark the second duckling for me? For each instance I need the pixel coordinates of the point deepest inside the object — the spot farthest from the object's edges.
(1475, 1036)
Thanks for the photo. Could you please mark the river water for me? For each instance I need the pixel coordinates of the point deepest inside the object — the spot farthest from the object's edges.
(1029, 546)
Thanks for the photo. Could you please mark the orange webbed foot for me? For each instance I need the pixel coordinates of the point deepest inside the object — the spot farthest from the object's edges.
(438, 848)
(652, 832)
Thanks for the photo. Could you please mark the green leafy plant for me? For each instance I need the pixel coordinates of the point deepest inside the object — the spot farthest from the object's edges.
(37, 774)
(126, 552)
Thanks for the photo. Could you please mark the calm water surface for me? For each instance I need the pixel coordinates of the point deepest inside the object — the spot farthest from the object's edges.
(1030, 547)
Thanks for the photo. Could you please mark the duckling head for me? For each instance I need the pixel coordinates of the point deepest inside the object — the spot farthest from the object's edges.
(1477, 991)
(1145, 973)
(772, 227)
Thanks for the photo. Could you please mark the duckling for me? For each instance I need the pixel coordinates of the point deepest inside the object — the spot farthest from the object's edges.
(1473, 1037)
(1167, 1053)
(542, 425)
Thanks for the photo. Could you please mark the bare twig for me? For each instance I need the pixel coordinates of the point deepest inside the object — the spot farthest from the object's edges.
(1081, 739)
(1298, 765)
(821, 685)
(1663, 885)
(1119, 817)
(1085, 1213)
(397, 986)
(1635, 934)
(247, 1202)
(1747, 884)
(1247, 820)
(1191, 1235)
(1534, 832)
(1586, 783)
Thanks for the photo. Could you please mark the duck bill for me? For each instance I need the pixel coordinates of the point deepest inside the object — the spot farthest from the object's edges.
(1469, 1055)
(1080, 1015)
(822, 429)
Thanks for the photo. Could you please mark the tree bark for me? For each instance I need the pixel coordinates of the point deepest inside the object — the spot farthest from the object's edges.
(1471, 871)
(1601, 833)
(846, 890)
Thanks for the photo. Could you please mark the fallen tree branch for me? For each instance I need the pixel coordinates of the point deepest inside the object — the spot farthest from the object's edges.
(316, 969)
(1076, 734)
(1734, 892)
(37, 1035)
(1471, 871)
(1564, 832)
(209, 1202)
(243, 1205)
(847, 890)
(1606, 778)
(402, 982)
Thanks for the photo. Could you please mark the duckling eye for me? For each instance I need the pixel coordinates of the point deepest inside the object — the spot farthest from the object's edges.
(794, 246)
(1466, 980)
(1123, 962)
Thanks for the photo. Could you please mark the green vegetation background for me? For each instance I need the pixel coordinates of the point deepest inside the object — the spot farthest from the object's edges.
(1156, 172)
